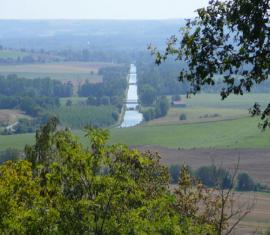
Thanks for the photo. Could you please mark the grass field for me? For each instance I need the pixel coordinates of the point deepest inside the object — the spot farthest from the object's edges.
(209, 107)
(233, 134)
(240, 133)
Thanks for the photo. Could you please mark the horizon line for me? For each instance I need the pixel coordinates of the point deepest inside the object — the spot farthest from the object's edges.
(97, 19)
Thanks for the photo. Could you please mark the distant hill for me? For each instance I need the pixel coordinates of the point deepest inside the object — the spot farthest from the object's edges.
(77, 34)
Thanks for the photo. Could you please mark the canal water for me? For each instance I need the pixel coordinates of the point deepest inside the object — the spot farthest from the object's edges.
(132, 116)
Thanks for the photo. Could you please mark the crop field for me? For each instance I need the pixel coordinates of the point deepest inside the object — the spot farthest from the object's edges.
(8, 116)
(5, 54)
(230, 134)
(231, 128)
(258, 220)
(60, 71)
(78, 116)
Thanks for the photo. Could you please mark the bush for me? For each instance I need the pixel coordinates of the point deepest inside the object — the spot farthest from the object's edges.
(105, 100)
(69, 103)
(182, 117)
(115, 115)
(245, 182)
(162, 107)
(149, 114)
(211, 176)
(175, 171)
(91, 100)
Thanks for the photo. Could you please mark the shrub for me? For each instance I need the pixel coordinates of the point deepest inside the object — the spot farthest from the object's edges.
(211, 176)
(175, 171)
(245, 182)
(91, 100)
(182, 117)
(69, 103)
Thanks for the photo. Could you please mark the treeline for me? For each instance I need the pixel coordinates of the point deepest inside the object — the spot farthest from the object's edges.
(160, 109)
(32, 96)
(155, 81)
(12, 85)
(110, 92)
(114, 83)
(24, 56)
(213, 176)
(92, 55)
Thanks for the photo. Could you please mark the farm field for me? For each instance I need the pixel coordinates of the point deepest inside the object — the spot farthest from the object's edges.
(218, 135)
(8, 116)
(254, 161)
(210, 107)
(59, 71)
(5, 54)
(258, 220)
(215, 135)
(78, 116)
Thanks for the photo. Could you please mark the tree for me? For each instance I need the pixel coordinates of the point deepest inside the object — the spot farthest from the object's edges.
(162, 106)
(69, 103)
(63, 188)
(91, 100)
(228, 38)
(245, 182)
(212, 176)
(147, 94)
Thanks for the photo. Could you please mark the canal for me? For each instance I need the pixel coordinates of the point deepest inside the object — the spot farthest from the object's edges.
(132, 116)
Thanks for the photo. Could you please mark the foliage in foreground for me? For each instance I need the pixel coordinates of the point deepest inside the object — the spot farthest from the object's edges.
(62, 188)
(228, 38)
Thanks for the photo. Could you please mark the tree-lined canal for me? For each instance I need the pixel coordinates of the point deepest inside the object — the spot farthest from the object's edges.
(132, 116)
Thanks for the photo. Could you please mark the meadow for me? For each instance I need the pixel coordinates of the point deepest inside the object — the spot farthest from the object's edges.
(210, 107)
(232, 128)
(216, 135)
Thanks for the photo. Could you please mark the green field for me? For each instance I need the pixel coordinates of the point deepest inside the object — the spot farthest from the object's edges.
(75, 100)
(78, 116)
(209, 107)
(5, 54)
(232, 129)
(241, 133)
(60, 71)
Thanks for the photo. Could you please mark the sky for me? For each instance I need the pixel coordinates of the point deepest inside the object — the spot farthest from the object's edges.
(99, 9)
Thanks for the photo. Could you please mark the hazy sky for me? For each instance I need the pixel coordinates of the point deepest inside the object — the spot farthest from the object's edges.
(98, 9)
